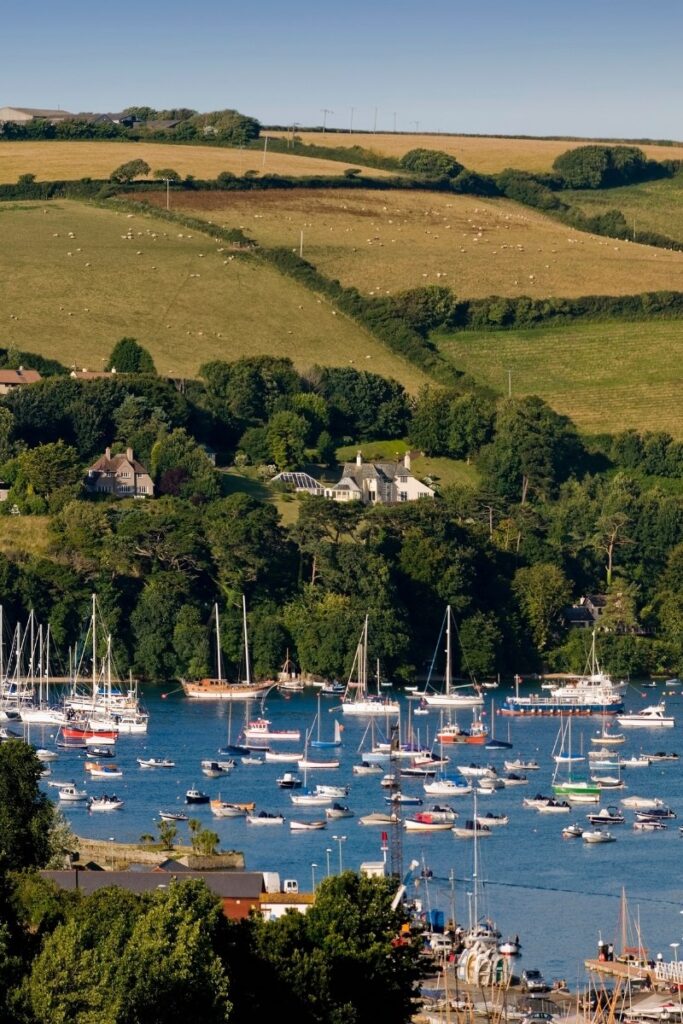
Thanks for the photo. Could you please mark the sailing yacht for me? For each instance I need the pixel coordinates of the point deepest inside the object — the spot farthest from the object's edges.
(39, 711)
(575, 790)
(357, 700)
(103, 705)
(220, 688)
(452, 697)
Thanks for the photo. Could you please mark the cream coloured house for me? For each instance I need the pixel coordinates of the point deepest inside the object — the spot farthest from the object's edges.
(373, 483)
(120, 475)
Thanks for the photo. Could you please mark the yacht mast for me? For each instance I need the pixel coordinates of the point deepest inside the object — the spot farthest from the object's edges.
(94, 650)
(246, 641)
(448, 649)
(219, 663)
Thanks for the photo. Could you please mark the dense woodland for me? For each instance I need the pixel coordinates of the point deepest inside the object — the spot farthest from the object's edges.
(554, 516)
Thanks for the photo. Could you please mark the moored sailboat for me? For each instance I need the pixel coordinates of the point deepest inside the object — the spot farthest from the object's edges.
(218, 688)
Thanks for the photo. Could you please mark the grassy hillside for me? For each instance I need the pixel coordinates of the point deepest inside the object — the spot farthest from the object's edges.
(72, 296)
(383, 242)
(54, 161)
(606, 376)
(24, 535)
(652, 206)
(488, 154)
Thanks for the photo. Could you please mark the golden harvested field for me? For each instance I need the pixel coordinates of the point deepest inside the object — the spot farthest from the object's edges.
(57, 161)
(488, 154)
(382, 242)
(75, 278)
(605, 376)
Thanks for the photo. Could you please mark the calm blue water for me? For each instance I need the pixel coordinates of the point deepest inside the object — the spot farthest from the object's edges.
(559, 895)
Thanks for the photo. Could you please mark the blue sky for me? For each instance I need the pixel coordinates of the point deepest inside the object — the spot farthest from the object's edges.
(588, 67)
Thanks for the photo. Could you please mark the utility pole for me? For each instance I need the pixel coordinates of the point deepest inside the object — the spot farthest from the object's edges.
(353, 110)
(265, 149)
(417, 126)
(374, 123)
(301, 246)
(394, 122)
(325, 111)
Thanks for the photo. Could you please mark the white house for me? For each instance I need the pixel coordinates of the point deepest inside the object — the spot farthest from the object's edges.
(373, 483)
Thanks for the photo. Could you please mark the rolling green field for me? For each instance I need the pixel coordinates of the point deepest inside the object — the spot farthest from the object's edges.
(651, 206)
(383, 242)
(75, 278)
(606, 376)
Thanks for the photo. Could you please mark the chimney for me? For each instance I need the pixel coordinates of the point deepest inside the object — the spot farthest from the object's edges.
(107, 452)
(129, 454)
(359, 458)
(406, 460)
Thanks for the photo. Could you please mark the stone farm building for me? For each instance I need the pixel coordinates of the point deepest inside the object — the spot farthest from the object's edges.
(120, 475)
(381, 483)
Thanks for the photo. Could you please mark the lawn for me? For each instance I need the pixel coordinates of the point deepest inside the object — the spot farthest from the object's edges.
(488, 154)
(652, 206)
(442, 471)
(75, 278)
(383, 242)
(57, 161)
(606, 376)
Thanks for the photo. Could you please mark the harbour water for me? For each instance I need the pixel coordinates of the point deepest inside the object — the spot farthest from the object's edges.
(559, 895)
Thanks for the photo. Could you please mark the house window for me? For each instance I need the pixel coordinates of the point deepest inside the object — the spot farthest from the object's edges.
(403, 479)
(402, 495)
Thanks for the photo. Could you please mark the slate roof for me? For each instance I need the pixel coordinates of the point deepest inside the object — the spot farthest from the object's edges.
(246, 885)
